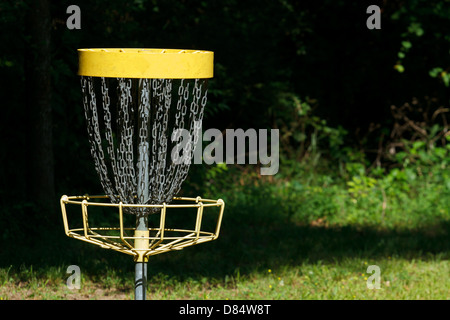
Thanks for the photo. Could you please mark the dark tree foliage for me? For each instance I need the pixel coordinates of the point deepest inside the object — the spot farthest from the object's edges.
(265, 49)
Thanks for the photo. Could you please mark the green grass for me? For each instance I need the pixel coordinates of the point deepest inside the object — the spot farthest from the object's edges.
(268, 261)
(278, 241)
(345, 279)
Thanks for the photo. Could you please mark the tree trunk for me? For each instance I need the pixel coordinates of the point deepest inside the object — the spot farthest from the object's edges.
(41, 186)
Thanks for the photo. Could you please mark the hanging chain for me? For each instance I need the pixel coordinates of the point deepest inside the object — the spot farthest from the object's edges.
(90, 111)
(127, 177)
(143, 148)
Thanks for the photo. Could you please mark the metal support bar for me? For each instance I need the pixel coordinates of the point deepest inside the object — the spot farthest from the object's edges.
(141, 245)
(140, 281)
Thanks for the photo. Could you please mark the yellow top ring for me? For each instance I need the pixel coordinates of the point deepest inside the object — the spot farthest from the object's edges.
(146, 63)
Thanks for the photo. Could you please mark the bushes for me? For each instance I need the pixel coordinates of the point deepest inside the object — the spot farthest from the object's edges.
(398, 198)
(325, 186)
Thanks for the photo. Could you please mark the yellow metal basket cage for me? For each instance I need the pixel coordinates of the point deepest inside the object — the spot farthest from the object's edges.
(143, 243)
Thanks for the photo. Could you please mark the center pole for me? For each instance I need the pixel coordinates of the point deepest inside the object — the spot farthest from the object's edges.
(142, 232)
(140, 278)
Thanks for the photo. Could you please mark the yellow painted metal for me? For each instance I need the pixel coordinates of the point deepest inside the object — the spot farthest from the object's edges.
(143, 243)
(146, 63)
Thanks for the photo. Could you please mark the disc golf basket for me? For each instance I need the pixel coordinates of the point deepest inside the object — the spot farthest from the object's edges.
(143, 109)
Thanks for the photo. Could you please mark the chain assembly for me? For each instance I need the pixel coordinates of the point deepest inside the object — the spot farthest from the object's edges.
(136, 146)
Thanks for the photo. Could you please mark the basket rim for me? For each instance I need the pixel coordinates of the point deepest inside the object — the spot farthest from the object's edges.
(146, 63)
(85, 200)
